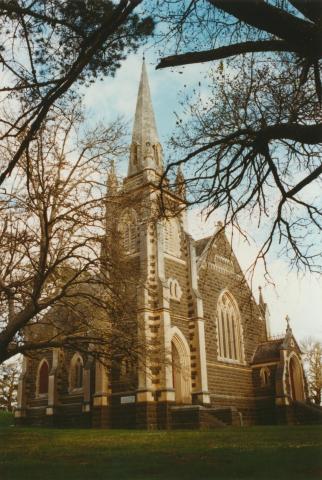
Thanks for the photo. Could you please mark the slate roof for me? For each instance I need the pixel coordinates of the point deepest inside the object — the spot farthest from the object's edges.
(201, 245)
(268, 351)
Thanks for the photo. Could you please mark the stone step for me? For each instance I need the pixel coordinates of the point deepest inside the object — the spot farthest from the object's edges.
(228, 415)
(307, 413)
(299, 413)
(194, 417)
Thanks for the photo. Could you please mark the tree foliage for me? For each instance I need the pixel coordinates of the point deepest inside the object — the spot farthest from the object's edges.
(312, 350)
(50, 46)
(9, 376)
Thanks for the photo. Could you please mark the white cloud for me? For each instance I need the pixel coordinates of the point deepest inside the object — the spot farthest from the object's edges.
(115, 96)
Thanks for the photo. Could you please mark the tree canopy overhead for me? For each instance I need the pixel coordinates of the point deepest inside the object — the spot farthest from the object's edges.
(48, 46)
(246, 26)
(252, 142)
(233, 28)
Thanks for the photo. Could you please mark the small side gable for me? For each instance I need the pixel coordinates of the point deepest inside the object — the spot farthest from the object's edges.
(217, 250)
(290, 343)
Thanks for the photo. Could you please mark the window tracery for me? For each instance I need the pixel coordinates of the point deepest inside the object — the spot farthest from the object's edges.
(229, 331)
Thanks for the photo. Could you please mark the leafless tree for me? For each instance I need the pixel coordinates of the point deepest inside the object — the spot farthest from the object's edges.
(233, 28)
(9, 376)
(53, 289)
(49, 48)
(237, 162)
(312, 350)
(252, 141)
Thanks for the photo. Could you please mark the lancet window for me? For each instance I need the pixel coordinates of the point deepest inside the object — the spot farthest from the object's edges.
(42, 378)
(264, 376)
(229, 330)
(128, 228)
(76, 372)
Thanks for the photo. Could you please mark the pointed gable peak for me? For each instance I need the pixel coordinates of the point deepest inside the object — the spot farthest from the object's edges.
(146, 151)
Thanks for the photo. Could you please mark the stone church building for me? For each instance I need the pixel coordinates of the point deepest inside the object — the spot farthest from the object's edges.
(219, 367)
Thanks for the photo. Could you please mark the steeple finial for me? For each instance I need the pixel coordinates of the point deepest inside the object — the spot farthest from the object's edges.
(146, 151)
(265, 311)
(180, 184)
(288, 327)
(112, 183)
(220, 226)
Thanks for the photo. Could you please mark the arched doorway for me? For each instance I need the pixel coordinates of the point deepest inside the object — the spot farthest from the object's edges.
(181, 373)
(296, 380)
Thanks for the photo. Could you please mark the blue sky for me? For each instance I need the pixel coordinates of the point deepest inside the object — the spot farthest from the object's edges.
(298, 296)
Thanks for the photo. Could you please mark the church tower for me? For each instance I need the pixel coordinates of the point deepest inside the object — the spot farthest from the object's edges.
(161, 253)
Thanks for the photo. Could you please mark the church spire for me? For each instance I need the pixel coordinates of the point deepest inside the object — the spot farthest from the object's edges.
(146, 151)
(112, 183)
(180, 183)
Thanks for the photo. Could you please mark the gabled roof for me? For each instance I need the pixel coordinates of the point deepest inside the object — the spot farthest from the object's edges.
(268, 351)
(216, 244)
(201, 244)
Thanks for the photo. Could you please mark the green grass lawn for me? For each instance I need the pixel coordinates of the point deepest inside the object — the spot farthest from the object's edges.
(230, 453)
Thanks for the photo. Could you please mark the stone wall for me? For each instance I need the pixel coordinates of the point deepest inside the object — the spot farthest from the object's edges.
(230, 383)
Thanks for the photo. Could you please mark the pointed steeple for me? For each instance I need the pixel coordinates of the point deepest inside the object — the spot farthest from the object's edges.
(146, 151)
(180, 183)
(112, 183)
(265, 310)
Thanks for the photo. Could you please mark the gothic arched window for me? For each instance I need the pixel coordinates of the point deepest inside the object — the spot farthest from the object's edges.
(42, 378)
(229, 331)
(172, 237)
(76, 372)
(128, 228)
(265, 376)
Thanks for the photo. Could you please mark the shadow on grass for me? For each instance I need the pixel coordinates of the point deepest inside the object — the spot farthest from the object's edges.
(249, 453)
